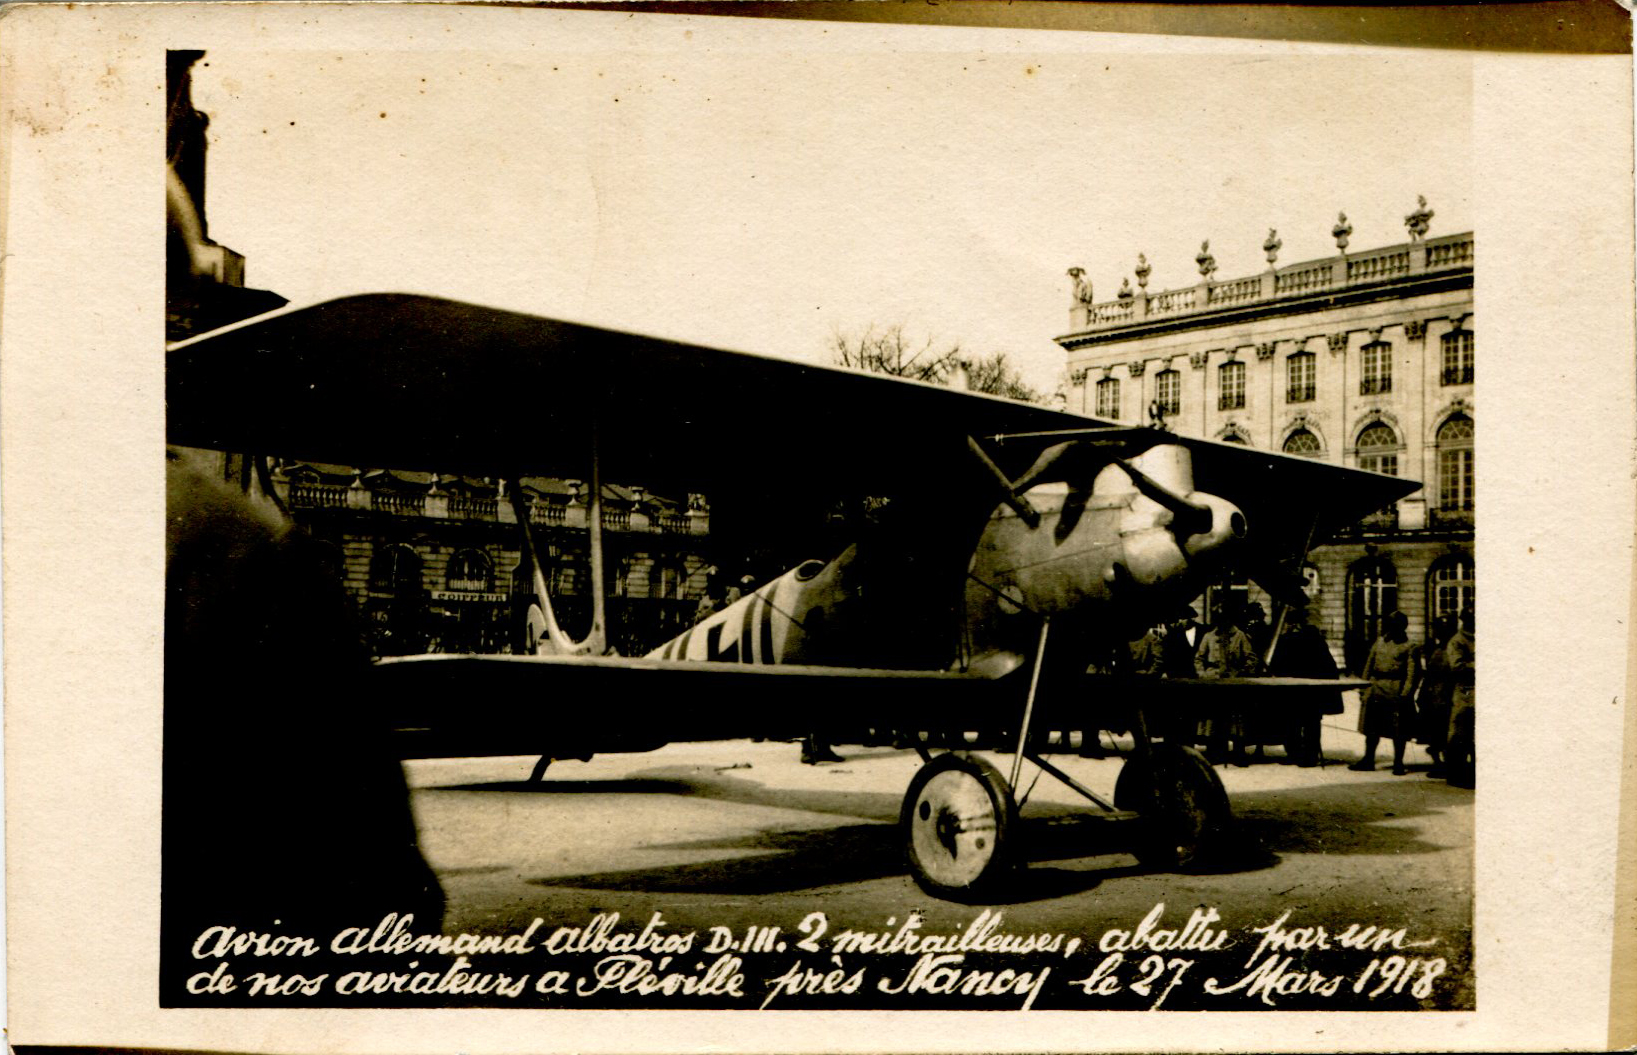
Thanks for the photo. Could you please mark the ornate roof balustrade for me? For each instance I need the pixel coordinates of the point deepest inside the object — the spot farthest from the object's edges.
(1345, 272)
(304, 494)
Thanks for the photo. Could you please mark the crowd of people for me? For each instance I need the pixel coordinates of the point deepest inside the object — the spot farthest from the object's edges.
(1417, 692)
(1424, 693)
(1236, 645)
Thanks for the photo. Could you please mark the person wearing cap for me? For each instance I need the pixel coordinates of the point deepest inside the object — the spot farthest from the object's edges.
(1226, 652)
(1303, 653)
(1434, 697)
(1387, 708)
(1461, 656)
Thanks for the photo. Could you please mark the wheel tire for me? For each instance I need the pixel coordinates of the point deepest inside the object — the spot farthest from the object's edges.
(958, 822)
(1184, 808)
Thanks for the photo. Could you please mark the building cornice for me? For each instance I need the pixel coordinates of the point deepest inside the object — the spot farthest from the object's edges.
(1288, 306)
(1390, 273)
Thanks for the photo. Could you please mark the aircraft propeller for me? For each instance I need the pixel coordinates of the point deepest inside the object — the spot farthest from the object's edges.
(1188, 517)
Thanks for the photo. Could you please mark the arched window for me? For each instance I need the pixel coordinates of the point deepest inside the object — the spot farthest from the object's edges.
(1299, 375)
(1304, 444)
(395, 569)
(1108, 397)
(1235, 436)
(1372, 592)
(1377, 373)
(1168, 391)
(469, 571)
(1378, 449)
(1458, 361)
(1451, 586)
(1455, 464)
(1231, 386)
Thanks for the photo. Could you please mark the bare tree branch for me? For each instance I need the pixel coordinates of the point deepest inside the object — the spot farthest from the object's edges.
(889, 351)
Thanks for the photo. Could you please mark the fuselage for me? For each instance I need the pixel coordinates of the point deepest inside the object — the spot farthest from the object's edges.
(1101, 555)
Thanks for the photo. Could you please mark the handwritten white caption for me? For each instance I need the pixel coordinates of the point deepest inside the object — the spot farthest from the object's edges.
(902, 958)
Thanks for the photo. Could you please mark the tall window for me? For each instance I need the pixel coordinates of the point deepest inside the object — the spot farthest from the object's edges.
(1378, 449)
(1231, 382)
(1458, 357)
(1299, 371)
(1372, 593)
(1455, 464)
(1378, 368)
(1108, 397)
(395, 569)
(469, 571)
(1451, 587)
(1168, 391)
(664, 579)
(1303, 444)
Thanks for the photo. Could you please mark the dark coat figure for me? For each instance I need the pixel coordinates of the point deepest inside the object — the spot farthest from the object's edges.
(1256, 628)
(1178, 648)
(1302, 652)
(1461, 656)
(1148, 653)
(1436, 692)
(281, 799)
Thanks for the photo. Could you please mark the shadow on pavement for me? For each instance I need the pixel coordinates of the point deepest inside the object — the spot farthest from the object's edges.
(628, 786)
(774, 862)
(788, 860)
(1369, 816)
(791, 861)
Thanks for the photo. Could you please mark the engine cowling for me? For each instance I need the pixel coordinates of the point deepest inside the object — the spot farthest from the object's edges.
(1104, 540)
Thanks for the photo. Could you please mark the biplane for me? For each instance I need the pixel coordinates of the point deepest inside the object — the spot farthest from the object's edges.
(1010, 543)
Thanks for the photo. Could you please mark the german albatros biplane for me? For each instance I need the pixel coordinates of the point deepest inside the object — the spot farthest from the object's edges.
(1014, 542)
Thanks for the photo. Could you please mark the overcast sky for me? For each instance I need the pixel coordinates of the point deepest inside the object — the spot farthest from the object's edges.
(763, 201)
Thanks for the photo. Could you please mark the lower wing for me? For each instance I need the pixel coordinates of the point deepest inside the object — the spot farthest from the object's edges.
(573, 706)
(452, 706)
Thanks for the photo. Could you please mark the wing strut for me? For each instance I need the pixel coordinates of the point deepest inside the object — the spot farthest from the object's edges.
(1284, 602)
(596, 641)
(555, 640)
(1028, 704)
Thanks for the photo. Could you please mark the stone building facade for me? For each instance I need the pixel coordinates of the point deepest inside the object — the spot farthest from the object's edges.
(1363, 359)
(435, 564)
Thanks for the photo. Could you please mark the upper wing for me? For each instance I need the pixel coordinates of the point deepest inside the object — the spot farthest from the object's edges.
(417, 382)
(395, 380)
(1290, 503)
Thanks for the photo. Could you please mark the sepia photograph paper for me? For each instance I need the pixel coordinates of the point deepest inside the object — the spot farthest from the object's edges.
(570, 522)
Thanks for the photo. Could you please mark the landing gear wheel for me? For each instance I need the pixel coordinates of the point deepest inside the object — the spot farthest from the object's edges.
(958, 821)
(1184, 808)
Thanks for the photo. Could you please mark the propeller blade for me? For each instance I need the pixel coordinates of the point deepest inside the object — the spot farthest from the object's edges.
(1008, 491)
(1187, 518)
